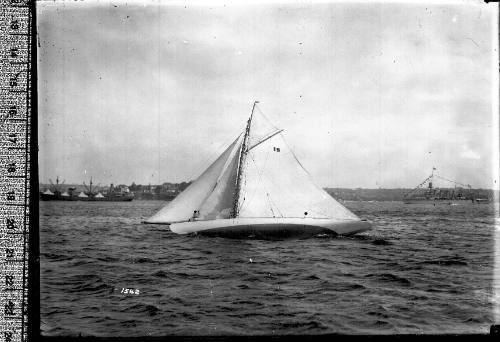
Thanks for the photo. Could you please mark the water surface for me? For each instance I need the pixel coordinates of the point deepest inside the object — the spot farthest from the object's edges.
(422, 269)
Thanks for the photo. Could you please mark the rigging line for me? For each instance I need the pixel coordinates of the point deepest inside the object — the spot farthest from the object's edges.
(418, 186)
(265, 117)
(270, 204)
(294, 156)
(449, 180)
(303, 168)
(260, 178)
(269, 136)
(271, 201)
(261, 175)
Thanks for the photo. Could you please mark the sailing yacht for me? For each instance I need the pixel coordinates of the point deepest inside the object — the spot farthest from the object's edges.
(257, 186)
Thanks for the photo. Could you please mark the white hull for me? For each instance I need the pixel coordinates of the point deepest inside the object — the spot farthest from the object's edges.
(271, 226)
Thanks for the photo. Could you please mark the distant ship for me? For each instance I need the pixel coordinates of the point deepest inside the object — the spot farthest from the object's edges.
(257, 186)
(426, 193)
(113, 194)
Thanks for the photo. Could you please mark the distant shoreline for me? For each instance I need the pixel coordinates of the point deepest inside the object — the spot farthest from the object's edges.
(395, 194)
(150, 191)
(45, 185)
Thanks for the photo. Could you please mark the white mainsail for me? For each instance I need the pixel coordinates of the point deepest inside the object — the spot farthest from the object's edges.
(256, 180)
(269, 191)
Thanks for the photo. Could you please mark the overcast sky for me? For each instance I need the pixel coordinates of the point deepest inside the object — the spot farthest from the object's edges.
(369, 94)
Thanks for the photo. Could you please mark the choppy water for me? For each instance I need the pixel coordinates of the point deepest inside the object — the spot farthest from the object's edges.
(422, 269)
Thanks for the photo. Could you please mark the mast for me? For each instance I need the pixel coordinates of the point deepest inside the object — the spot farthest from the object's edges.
(243, 153)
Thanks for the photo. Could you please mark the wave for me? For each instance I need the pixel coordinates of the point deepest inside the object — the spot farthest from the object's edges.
(312, 277)
(447, 261)
(390, 278)
(143, 260)
(336, 287)
(344, 287)
(108, 258)
(88, 283)
(378, 314)
(148, 309)
(304, 325)
(381, 242)
(161, 274)
(56, 257)
(96, 288)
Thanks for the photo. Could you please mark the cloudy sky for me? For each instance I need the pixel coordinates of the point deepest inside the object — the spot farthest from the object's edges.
(369, 94)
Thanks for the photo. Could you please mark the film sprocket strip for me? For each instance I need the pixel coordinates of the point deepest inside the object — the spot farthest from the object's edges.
(15, 121)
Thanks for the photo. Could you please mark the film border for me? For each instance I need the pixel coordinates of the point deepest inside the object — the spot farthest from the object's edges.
(18, 175)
